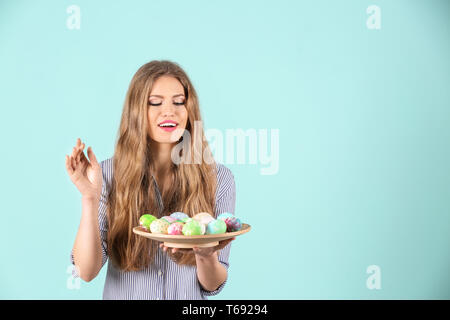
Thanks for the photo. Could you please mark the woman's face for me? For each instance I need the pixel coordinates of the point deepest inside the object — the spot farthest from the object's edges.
(166, 104)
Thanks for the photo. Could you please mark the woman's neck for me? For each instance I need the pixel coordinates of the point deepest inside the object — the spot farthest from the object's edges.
(162, 157)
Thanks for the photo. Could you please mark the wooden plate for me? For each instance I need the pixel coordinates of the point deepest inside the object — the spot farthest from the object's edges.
(181, 241)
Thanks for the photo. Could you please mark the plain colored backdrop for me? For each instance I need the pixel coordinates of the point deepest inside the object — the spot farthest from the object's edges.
(363, 117)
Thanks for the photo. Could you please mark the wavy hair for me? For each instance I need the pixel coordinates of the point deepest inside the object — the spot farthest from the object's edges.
(133, 191)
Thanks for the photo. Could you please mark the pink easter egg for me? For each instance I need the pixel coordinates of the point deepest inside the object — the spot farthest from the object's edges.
(175, 228)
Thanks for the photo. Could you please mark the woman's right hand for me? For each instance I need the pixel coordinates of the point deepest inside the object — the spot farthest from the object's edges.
(85, 174)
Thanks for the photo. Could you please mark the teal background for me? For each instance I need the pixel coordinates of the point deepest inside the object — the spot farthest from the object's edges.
(364, 124)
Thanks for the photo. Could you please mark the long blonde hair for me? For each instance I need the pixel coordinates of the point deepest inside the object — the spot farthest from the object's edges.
(133, 192)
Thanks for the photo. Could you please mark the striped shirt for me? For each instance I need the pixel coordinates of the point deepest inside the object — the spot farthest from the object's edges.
(163, 279)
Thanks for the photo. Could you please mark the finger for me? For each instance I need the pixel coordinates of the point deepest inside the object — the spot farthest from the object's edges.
(75, 152)
(75, 148)
(74, 165)
(83, 157)
(224, 243)
(68, 165)
(80, 152)
(92, 156)
(229, 241)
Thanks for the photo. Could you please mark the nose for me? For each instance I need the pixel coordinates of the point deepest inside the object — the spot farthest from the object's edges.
(168, 109)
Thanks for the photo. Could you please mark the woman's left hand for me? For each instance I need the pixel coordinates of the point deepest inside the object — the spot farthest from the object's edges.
(201, 252)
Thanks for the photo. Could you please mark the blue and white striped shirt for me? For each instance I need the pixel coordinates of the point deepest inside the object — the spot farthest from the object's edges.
(163, 279)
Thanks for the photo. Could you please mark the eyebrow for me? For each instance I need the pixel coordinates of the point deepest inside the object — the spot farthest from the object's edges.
(158, 96)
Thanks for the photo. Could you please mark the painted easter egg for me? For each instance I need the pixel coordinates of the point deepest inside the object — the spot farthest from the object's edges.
(175, 228)
(179, 215)
(225, 215)
(233, 224)
(159, 226)
(203, 217)
(216, 227)
(169, 219)
(145, 220)
(192, 228)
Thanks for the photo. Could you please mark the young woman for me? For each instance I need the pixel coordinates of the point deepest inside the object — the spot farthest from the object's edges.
(142, 177)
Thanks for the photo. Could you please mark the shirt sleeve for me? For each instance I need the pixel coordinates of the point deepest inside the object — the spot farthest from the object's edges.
(102, 218)
(226, 201)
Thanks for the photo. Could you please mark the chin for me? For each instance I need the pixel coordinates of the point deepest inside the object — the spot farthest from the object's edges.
(162, 140)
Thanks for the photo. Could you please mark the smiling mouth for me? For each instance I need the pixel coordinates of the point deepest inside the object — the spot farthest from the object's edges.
(168, 127)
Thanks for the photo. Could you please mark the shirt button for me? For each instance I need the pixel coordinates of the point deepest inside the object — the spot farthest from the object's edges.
(159, 273)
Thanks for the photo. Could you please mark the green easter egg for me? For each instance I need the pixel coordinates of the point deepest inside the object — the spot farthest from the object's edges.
(192, 228)
(145, 220)
(216, 227)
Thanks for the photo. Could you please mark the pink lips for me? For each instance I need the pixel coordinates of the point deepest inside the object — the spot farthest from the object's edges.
(168, 129)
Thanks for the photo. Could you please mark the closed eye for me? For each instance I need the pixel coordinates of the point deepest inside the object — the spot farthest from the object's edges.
(158, 104)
